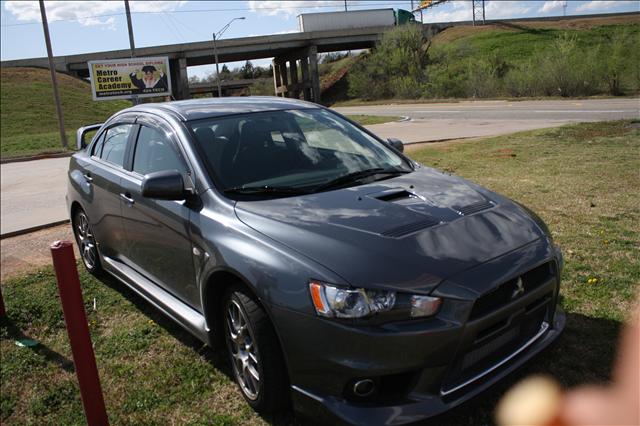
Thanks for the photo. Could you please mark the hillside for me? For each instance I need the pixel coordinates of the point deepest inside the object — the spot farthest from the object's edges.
(28, 115)
(505, 60)
(518, 41)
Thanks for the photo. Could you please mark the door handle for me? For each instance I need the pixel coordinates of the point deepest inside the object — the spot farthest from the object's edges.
(127, 198)
(87, 177)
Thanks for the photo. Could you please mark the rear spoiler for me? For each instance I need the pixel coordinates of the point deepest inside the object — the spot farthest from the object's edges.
(82, 131)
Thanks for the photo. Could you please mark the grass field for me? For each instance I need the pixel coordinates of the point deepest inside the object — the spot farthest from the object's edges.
(28, 116)
(582, 179)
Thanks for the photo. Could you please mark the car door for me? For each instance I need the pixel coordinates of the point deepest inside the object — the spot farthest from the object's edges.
(157, 231)
(104, 172)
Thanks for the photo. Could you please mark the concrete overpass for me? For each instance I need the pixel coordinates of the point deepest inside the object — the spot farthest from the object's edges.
(290, 52)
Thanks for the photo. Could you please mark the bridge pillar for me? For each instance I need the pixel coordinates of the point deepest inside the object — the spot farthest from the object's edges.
(179, 78)
(289, 83)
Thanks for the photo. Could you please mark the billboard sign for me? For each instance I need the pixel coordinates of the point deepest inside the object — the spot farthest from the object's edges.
(129, 78)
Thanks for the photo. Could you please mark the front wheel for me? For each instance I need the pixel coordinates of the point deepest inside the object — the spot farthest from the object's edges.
(254, 352)
(86, 242)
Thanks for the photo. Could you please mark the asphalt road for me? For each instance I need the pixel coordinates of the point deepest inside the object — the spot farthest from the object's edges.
(32, 193)
(440, 121)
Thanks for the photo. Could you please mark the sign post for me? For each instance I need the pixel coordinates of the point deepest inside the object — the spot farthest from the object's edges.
(130, 78)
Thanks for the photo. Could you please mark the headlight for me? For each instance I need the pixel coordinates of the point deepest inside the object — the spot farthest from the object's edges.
(331, 301)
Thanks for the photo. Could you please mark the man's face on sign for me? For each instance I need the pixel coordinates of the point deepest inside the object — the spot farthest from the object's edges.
(148, 75)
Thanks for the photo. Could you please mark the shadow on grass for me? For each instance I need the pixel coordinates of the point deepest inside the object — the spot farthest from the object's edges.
(217, 356)
(14, 333)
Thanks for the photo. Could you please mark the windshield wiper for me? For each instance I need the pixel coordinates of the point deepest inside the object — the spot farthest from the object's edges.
(266, 189)
(356, 176)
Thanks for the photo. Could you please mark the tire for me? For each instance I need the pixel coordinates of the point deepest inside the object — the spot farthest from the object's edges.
(254, 352)
(86, 242)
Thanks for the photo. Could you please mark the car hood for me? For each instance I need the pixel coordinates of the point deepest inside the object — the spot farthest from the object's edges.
(408, 232)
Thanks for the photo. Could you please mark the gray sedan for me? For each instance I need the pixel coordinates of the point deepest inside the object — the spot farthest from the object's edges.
(340, 276)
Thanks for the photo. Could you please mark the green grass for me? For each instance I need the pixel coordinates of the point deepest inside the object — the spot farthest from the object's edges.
(582, 179)
(28, 116)
(367, 120)
(519, 43)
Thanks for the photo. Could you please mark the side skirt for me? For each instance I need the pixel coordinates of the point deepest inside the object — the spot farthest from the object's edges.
(190, 319)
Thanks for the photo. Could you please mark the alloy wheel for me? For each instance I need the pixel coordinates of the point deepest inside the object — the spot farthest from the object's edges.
(243, 350)
(86, 241)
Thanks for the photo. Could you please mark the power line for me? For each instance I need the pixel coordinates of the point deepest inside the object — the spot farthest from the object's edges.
(394, 3)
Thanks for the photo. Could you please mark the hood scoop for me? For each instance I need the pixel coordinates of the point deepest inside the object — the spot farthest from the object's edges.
(474, 208)
(391, 196)
(409, 228)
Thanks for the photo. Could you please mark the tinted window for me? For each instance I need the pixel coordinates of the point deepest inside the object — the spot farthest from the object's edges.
(155, 152)
(303, 148)
(115, 144)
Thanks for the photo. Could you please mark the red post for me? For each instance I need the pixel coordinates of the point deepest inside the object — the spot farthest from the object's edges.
(64, 263)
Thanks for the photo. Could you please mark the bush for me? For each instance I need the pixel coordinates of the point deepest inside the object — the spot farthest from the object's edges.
(396, 68)
(570, 63)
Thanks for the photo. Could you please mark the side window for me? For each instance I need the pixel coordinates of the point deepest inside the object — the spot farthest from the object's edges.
(115, 144)
(155, 152)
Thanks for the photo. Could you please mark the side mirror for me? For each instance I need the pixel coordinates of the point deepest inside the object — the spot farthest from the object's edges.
(164, 185)
(396, 144)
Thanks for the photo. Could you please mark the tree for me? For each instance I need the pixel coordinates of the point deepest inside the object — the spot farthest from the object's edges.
(247, 71)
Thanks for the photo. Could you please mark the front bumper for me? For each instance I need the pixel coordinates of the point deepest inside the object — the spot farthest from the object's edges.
(424, 367)
(418, 406)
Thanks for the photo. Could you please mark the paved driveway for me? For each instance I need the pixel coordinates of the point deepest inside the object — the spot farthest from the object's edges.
(33, 193)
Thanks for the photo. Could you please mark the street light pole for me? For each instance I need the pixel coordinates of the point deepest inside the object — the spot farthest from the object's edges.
(215, 54)
(216, 36)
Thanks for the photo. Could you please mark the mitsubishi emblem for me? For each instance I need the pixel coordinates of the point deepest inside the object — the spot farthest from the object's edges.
(519, 290)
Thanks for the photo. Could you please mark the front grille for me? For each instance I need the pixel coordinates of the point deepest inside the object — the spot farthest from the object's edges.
(504, 293)
(482, 356)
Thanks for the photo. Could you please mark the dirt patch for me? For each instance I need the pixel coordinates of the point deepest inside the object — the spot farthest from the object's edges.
(21, 254)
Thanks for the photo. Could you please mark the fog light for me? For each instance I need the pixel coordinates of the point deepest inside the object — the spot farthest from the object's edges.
(364, 388)
(424, 306)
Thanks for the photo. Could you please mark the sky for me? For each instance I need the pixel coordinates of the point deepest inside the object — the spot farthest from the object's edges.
(93, 26)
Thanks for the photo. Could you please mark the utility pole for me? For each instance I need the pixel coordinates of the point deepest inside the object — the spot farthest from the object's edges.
(132, 44)
(345, 5)
(478, 9)
(54, 80)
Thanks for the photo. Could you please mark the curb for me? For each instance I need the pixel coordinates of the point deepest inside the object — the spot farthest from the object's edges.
(442, 140)
(33, 229)
(36, 157)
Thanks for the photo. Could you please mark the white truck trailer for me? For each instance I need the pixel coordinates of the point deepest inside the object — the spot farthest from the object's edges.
(327, 21)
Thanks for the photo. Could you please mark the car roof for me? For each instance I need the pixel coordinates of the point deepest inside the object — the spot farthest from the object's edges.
(196, 109)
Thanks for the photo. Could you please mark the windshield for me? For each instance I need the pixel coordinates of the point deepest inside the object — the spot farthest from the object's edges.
(293, 151)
